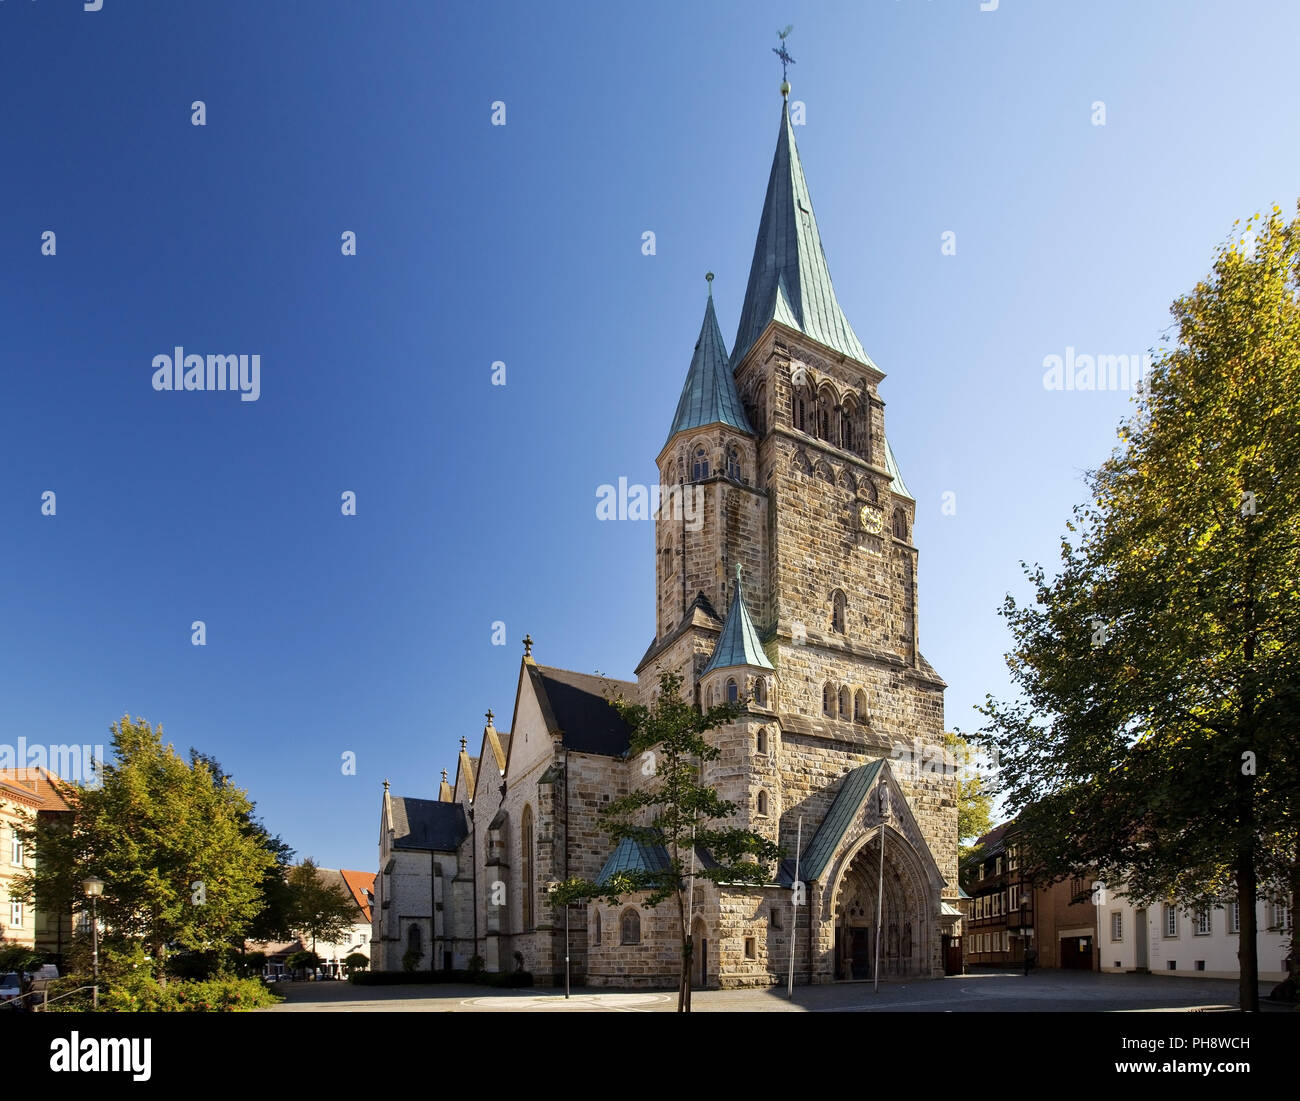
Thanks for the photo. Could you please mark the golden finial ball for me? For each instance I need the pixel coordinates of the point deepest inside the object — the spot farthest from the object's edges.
(785, 87)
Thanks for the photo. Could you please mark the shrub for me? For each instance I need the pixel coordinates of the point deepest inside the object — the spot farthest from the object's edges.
(223, 994)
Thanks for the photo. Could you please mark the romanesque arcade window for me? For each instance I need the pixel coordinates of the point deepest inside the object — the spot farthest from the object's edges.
(630, 926)
(860, 707)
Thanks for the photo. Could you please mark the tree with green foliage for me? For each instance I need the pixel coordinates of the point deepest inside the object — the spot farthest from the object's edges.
(1157, 737)
(975, 792)
(318, 909)
(271, 920)
(677, 812)
(303, 961)
(356, 961)
(168, 839)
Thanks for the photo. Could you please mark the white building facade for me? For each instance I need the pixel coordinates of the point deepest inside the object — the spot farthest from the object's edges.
(1164, 938)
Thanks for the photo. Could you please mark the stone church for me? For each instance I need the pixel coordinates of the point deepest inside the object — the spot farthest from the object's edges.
(794, 590)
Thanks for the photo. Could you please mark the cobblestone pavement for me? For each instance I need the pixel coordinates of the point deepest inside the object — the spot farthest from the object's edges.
(1043, 991)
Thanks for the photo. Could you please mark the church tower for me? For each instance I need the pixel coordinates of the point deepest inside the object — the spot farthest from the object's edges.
(787, 575)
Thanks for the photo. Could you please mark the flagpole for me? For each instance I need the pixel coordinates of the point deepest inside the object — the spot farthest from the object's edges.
(880, 886)
(794, 904)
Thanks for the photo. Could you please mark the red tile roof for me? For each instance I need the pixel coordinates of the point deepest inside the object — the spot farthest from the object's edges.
(359, 883)
(38, 786)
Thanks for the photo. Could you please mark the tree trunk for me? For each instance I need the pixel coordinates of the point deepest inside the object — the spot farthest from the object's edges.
(1247, 949)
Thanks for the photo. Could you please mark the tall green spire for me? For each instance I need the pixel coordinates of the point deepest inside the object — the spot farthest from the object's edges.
(788, 279)
(739, 643)
(709, 395)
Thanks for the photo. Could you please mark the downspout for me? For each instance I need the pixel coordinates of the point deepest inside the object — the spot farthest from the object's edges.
(433, 912)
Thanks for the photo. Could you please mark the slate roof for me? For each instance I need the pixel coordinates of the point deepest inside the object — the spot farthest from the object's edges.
(789, 280)
(739, 643)
(993, 842)
(848, 801)
(709, 394)
(426, 825)
(576, 704)
(634, 856)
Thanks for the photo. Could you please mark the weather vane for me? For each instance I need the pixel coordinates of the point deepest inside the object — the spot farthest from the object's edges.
(783, 54)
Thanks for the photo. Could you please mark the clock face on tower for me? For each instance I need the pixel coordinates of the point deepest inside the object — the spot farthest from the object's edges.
(871, 519)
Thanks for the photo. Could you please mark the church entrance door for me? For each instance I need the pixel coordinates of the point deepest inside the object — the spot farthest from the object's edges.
(861, 953)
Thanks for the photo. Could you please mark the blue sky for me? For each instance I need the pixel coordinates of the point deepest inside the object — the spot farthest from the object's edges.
(372, 634)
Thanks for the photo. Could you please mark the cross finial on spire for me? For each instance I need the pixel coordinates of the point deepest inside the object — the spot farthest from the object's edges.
(462, 743)
(528, 646)
(786, 59)
(444, 775)
(385, 785)
(489, 716)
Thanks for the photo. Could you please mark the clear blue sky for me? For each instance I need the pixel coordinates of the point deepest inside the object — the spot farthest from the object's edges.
(522, 243)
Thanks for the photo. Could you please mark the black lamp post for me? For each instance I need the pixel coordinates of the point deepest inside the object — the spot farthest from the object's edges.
(94, 887)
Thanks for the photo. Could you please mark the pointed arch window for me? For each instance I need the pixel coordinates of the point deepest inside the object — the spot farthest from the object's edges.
(799, 409)
(846, 426)
(900, 523)
(860, 707)
(733, 465)
(700, 465)
(630, 927)
(839, 612)
(526, 864)
(762, 741)
(846, 704)
(760, 691)
(762, 804)
(828, 700)
(733, 692)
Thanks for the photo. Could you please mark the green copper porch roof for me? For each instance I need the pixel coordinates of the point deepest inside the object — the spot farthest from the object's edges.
(789, 280)
(891, 464)
(738, 644)
(634, 856)
(848, 802)
(709, 395)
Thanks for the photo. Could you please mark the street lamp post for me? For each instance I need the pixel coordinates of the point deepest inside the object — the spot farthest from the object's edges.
(94, 887)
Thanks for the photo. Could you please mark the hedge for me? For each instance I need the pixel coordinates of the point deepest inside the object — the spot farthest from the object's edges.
(481, 978)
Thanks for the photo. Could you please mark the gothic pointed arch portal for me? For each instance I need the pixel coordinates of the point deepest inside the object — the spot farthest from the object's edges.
(904, 929)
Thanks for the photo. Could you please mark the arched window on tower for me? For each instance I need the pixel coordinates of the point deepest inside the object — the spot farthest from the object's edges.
(847, 412)
(630, 927)
(846, 704)
(761, 745)
(860, 707)
(700, 465)
(828, 700)
(839, 612)
(762, 804)
(900, 523)
(825, 418)
(526, 865)
(733, 692)
(733, 464)
(800, 409)
(760, 691)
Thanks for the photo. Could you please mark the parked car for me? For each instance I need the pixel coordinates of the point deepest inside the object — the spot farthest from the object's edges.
(11, 987)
